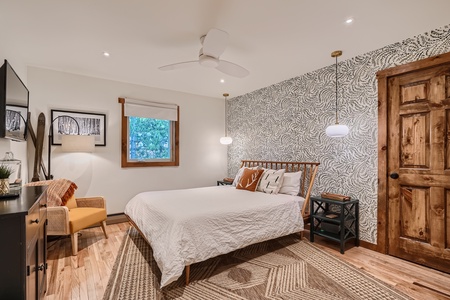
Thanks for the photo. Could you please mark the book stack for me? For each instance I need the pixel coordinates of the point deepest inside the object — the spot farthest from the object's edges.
(335, 197)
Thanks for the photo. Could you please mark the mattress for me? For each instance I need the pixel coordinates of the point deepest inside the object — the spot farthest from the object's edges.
(192, 225)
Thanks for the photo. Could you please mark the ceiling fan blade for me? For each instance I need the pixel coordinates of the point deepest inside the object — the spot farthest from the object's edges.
(232, 69)
(215, 42)
(181, 65)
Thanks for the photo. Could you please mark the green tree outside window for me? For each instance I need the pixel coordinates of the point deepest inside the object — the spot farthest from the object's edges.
(149, 139)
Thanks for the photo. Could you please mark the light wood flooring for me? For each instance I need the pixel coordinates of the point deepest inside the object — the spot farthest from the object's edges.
(86, 275)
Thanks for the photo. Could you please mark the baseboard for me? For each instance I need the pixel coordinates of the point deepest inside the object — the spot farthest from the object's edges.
(116, 218)
(113, 219)
(368, 245)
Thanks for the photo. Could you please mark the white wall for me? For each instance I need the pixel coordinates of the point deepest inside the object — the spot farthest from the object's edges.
(202, 157)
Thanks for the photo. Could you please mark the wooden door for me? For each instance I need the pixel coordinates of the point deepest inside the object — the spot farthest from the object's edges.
(418, 120)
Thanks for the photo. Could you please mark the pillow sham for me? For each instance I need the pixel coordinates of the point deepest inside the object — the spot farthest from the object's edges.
(271, 181)
(249, 180)
(239, 174)
(291, 183)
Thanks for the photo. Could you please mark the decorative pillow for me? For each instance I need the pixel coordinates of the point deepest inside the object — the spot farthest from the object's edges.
(291, 183)
(271, 181)
(249, 180)
(239, 174)
(58, 192)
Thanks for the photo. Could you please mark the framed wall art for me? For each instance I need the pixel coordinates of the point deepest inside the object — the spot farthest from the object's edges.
(73, 122)
(16, 122)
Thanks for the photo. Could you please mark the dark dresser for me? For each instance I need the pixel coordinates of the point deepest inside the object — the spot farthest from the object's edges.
(23, 249)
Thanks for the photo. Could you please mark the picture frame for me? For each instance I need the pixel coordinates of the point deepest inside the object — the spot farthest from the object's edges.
(16, 122)
(63, 122)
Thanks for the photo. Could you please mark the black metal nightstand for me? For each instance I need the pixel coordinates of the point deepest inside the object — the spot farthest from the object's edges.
(335, 220)
(221, 182)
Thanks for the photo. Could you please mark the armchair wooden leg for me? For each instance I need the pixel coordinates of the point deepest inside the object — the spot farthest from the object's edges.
(74, 238)
(104, 228)
(188, 273)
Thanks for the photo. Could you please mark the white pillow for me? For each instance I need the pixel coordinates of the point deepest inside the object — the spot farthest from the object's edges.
(291, 183)
(271, 180)
(239, 174)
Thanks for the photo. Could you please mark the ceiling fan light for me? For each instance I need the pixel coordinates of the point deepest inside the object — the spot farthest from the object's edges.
(337, 130)
(208, 61)
(226, 140)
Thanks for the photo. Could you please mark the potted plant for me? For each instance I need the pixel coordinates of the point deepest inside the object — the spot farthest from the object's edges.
(5, 172)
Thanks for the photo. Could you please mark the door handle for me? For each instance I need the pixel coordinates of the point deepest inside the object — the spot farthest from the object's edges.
(394, 175)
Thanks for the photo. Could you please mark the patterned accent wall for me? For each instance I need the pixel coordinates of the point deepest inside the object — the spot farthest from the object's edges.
(287, 121)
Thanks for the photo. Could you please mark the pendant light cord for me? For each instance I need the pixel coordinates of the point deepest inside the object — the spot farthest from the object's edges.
(337, 122)
(226, 114)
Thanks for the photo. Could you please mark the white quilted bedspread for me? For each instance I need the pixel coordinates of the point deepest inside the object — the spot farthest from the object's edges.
(192, 225)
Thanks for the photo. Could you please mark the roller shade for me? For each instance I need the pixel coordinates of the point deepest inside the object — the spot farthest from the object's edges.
(154, 110)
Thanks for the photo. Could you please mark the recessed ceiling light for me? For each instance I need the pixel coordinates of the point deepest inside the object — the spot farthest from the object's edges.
(106, 54)
(222, 80)
(349, 21)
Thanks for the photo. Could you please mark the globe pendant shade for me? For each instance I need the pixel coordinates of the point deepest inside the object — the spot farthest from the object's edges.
(226, 140)
(337, 130)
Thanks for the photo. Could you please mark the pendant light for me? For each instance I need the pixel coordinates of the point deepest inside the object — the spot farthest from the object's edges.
(226, 140)
(336, 130)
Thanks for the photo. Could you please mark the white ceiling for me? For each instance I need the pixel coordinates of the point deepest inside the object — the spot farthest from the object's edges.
(274, 39)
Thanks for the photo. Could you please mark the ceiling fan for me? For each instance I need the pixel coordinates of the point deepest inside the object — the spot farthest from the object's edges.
(214, 43)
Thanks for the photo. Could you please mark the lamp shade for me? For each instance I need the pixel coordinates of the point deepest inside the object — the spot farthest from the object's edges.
(226, 140)
(337, 130)
(77, 143)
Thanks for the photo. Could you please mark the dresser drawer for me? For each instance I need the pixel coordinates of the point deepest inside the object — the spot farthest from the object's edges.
(33, 222)
(43, 208)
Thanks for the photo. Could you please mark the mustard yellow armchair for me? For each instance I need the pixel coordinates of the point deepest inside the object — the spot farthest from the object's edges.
(67, 214)
(77, 214)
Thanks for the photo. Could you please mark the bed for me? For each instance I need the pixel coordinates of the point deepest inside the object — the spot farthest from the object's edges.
(188, 226)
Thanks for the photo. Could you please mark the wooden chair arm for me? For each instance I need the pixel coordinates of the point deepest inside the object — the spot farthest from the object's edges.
(58, 220)
(98, 202)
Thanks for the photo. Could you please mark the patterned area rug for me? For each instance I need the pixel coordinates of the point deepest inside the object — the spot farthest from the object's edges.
(285, 268)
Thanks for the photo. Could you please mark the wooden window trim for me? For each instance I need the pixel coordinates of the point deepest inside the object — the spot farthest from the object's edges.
(175, 145)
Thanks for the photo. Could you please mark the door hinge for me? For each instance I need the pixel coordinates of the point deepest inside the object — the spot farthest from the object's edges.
(28, 270)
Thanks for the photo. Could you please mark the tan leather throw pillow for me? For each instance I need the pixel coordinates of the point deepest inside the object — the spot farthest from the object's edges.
(249, 180)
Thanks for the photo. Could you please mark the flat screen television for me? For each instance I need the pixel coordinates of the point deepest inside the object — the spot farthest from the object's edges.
(13, 105)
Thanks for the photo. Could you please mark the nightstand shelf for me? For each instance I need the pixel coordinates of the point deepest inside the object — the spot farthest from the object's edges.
(335, 220)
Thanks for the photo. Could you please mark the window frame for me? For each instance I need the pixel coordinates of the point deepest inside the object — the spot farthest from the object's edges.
(174, 144)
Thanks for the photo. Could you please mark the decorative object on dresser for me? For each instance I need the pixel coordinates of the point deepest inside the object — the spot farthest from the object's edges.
(335, 220)
(16, 166)
(337, 130)
(23, 257)
(5, 172)
(67, 215)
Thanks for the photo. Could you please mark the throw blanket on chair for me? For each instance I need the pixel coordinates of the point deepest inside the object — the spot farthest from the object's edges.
(59, 191)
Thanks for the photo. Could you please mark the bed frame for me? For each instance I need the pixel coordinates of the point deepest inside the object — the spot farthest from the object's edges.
(309, 172)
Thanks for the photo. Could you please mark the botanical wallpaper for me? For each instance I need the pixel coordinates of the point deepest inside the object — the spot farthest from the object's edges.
(287, 121)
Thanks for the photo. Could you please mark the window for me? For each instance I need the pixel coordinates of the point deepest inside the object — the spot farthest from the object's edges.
(149, 133)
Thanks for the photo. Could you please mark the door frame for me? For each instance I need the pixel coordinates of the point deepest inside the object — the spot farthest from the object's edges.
(383, 189)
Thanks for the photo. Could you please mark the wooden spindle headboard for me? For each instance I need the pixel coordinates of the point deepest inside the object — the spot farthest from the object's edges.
(309, 171)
